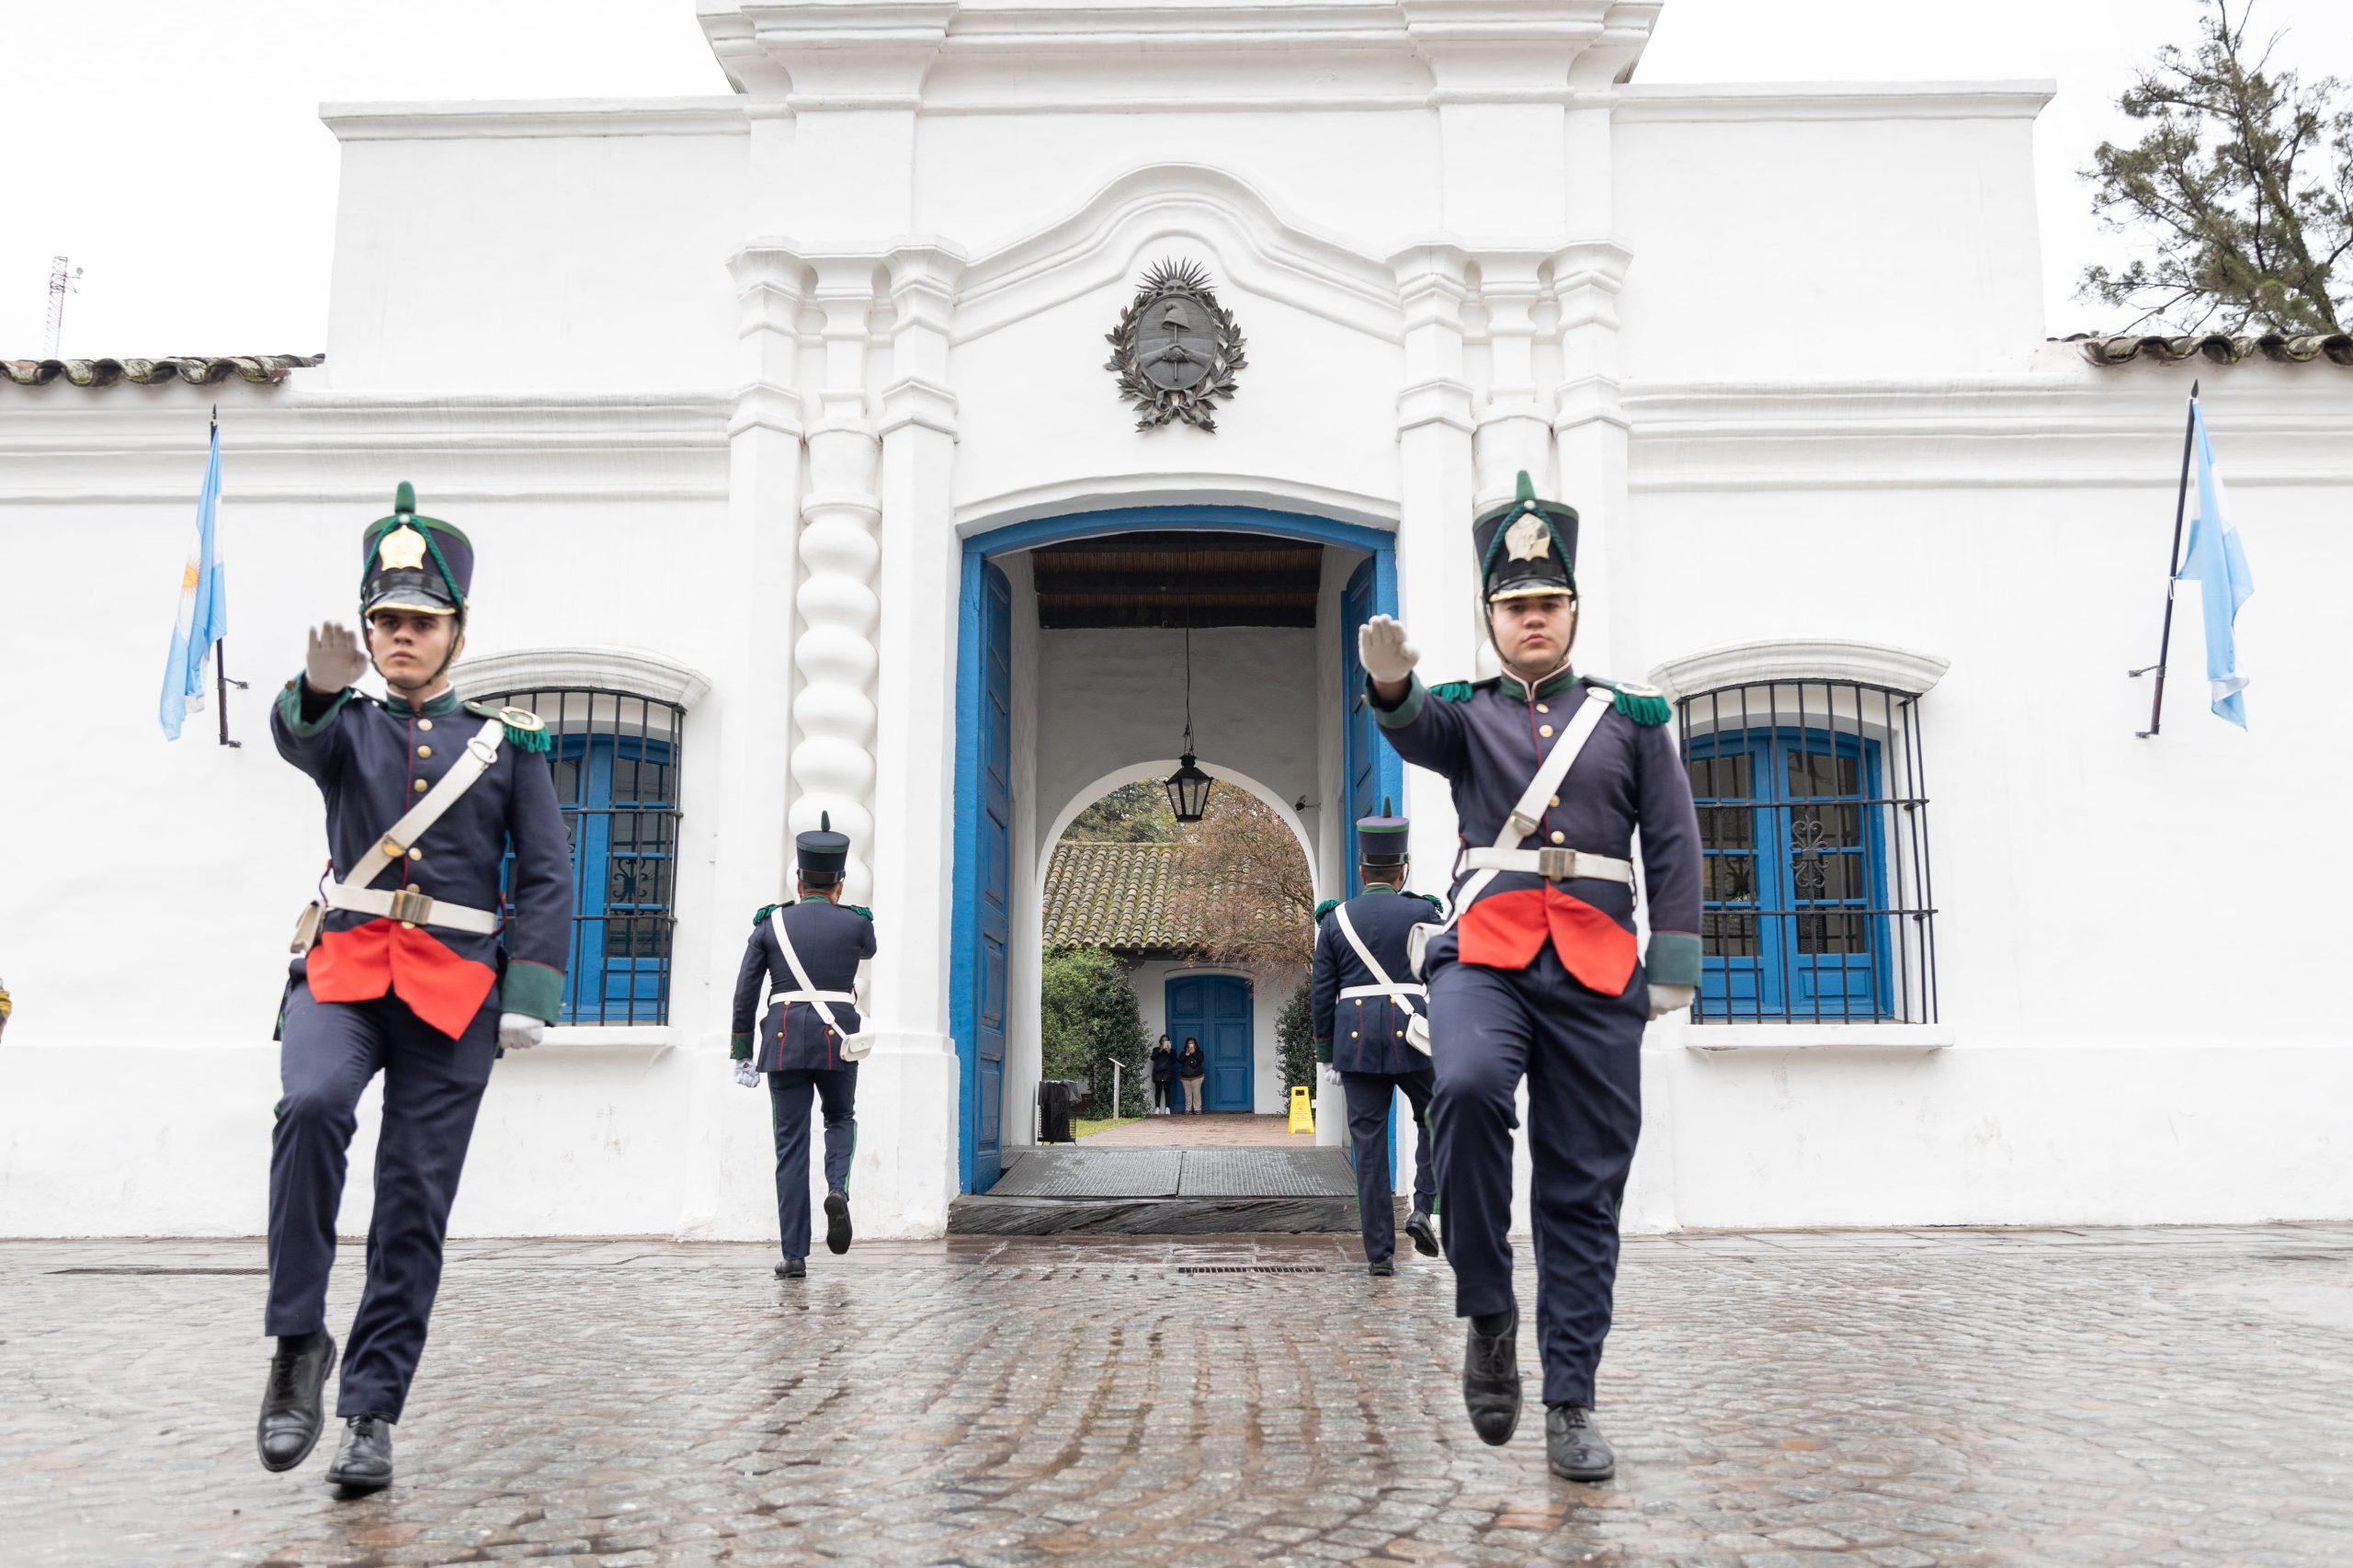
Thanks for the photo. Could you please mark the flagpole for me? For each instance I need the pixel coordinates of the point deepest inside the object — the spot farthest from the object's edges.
(221, 681)
(2173, 570)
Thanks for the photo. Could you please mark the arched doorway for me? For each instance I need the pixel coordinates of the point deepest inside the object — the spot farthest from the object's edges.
(1049, 683)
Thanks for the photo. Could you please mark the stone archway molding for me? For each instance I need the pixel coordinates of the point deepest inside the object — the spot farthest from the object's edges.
(637, 671)
(1160, 768)
(1787, 660)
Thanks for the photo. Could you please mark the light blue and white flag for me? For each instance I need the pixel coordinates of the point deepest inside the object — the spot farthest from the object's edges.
(2218, 565)
(204, 608)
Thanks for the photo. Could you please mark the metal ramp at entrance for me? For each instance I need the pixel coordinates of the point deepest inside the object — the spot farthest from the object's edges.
(1163, 1192)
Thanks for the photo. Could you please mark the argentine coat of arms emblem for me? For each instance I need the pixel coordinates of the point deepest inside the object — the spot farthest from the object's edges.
(1175, 350)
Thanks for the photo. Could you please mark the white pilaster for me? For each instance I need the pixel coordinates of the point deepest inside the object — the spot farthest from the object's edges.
(1589, 420)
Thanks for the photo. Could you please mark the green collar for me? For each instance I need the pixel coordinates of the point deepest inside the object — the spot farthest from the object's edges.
(435, 706)
(1379, 887)
(1550, 686)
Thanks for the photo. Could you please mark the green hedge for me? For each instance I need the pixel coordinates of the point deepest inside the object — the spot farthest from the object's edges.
(1295, 1038)
(1088, 1018)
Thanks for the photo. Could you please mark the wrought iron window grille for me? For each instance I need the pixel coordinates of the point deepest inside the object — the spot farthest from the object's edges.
(1818, 906)
(617, 757)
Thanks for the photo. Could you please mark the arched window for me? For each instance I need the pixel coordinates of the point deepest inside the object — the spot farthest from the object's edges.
(617, 726)
(1809, 777)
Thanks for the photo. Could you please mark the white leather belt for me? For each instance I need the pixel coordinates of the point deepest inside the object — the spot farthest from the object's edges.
(1348, 993)
(779, 998)
(1557, 865)
(411, 907)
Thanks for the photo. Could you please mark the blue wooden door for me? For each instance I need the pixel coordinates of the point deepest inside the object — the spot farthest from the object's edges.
(1216, 1010)
(991, 849)
(1360, 742)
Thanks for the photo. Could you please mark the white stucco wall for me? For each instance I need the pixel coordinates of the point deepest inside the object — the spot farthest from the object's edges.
(680, 372)
(1151, 979)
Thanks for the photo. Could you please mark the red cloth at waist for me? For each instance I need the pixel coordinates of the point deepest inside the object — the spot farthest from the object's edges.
(366, 962)
(1505, 930)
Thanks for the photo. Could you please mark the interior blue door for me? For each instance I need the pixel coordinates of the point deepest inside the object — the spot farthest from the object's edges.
(1215, 1010)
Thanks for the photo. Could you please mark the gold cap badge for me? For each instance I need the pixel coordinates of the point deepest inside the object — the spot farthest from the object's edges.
(403, 549)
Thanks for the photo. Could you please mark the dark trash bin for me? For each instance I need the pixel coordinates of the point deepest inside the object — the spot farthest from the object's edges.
(1053, 1109)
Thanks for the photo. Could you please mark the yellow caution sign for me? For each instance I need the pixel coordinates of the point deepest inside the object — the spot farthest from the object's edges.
(1303, 1110)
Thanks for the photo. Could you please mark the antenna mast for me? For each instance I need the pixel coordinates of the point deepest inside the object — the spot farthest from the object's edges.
(61, 283)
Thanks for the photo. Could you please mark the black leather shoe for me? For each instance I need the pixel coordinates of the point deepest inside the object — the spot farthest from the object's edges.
(792, 1269)
(1381, 1270)
(1574, 1446)
(364, 1463)
(1425, 1235)
(293, 1413)
(837, 1221)
(1490, 1382)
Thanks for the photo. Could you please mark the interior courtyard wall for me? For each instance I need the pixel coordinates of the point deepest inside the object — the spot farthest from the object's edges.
(1151, 977)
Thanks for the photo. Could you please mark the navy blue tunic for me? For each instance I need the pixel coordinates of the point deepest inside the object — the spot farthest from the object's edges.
(1366, 1034)
(830, 939)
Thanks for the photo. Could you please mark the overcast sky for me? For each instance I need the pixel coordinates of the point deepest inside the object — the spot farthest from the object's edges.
(174, 151)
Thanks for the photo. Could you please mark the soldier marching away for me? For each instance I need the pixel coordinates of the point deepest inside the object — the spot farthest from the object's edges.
(1370, 1032)
(400, 968)
(813, 955)
(1534, 973)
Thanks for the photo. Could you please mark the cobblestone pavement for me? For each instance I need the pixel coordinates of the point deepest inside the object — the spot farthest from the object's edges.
(1220, 1130)
(2087, 1399)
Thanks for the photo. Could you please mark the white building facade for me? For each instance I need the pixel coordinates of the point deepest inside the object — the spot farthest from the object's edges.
(760, 410)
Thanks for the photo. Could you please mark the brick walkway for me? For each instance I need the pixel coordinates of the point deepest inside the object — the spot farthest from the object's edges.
(1226, 1129)
(1884, 1400)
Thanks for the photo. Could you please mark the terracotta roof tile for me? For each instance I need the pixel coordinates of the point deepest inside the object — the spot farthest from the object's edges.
(196, 369)
(1120, 896)
(2220, 348)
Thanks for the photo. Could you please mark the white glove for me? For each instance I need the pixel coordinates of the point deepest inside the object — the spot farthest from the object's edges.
(1331, 1073)
(519, 1031)
(746, 1076)
(1384, 650)
(334, 660)
(1666, 999)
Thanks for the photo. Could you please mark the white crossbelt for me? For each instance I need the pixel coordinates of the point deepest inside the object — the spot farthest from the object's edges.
(1556, 865)
(1524, 820)
(854, 1046)
(407, 904)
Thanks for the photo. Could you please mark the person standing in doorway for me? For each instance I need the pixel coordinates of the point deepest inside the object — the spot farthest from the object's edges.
(417, 975)
(1535, 975)
(1192, 1068)
(811, 954)
(1163, 1067)
(1371, 1034)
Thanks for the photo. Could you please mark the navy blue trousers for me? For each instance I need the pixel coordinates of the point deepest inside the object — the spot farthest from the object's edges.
(836, 1092)
(433, 1085)
(1581, 1054)
(1370, 1097)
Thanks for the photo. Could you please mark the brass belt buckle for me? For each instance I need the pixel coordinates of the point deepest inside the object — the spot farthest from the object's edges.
(412, 906)
(1556, 865)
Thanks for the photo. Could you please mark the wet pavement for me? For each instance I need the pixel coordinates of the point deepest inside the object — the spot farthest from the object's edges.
(1898, 1399)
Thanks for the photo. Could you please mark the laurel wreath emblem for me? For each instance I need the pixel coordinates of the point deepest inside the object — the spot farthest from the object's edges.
(1196, 403)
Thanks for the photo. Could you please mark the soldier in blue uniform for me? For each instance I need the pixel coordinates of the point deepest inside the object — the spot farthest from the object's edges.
(409, 964)
(1363, 1030)
(813, 956)
(1534, 973)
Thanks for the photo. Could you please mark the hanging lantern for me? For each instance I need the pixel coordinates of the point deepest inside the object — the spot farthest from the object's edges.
(1189, 787)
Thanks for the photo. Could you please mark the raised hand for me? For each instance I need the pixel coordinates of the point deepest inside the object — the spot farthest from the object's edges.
(334, 660)
(1384, 651)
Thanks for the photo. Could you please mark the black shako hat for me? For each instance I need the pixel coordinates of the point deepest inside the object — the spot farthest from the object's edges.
(414, 563)
(824, 853)
(1380, 840)
(1526, 547)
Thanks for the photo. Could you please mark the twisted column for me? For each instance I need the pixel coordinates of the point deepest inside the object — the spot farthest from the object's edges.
(833, 755)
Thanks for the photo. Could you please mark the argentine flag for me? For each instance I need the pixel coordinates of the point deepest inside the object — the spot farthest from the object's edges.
(204, 609)
(2217, 563)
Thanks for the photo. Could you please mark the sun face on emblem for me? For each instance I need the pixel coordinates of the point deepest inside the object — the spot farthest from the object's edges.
(1175, 350)
(403, 549)
(1528, 538)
